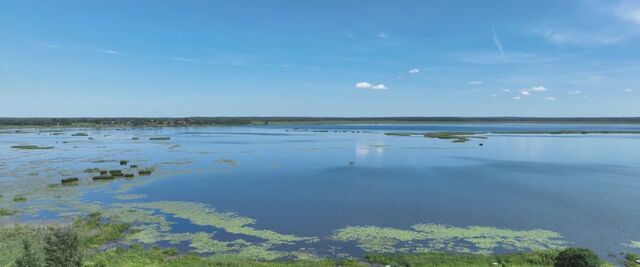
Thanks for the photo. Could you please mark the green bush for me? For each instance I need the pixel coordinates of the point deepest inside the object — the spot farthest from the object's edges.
(577, 257)
(29, 257)
(62, 248)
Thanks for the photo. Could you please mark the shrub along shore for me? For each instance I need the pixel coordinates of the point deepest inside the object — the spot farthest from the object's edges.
(92, 241)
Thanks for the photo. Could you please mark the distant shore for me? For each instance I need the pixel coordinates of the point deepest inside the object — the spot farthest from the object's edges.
(7, 122)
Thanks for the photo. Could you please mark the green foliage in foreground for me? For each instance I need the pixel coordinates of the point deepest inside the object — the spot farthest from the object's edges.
(577, 257)
(155, 257)
(536, 258)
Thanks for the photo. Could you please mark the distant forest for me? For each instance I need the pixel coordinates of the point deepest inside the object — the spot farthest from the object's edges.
(222, 121)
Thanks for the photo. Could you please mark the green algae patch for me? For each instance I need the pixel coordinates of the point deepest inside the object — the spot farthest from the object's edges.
(376, 239)
(31, 147)
(200, 214)
(129, 196)
(434, 237)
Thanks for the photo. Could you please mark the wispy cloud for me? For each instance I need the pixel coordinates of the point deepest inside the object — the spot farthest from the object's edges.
(414, 71)
(628, 90)
(581, 38)
(550, 98)
(110, 52)
(184, 59)
(517, 98)
(574, 92)
(629, 11)
(475, 82)
(497, 42)
(45, 45)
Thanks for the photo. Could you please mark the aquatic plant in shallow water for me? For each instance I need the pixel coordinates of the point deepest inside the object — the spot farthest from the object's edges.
(434, 237)
(200, 214)
(634, 244)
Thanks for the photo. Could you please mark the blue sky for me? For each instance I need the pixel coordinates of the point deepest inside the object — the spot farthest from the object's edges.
(319, 58)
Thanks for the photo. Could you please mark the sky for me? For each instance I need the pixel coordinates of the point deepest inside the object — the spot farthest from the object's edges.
(79, 58)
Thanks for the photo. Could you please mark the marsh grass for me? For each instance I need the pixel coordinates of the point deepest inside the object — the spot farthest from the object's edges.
(19, 199)
(31, 147)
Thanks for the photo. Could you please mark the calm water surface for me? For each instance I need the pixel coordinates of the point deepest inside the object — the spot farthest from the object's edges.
(309, 180)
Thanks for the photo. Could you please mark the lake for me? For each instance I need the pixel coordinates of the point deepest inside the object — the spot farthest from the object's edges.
(338, 190)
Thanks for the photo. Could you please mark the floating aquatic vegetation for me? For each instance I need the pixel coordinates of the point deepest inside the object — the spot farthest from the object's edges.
(69, 180)
(124, 162)
(398, 134)
(7, 212)
(145, 171)
(434, 237)
(128, 175)
(103, 178)
(159, 138)
(19, 199)
(31, 147)
(80, 134)
(228, 162)
(200, 214)
(129, 196)
(634, 244)
(91, 170)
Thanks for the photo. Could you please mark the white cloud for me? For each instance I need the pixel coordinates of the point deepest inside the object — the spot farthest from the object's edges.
(110, 52)
(550, 98)
(517, 98)
(538, 89)
(414, 71)
(366, 85)
(379, 87)
(628, 90)
(475, 82)
(574, 92)
(535, 89)
(493, 95)
(363, 85)
(497, 42)
(506, 90)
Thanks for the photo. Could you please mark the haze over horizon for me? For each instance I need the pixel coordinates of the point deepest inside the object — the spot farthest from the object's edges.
(319, 58)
